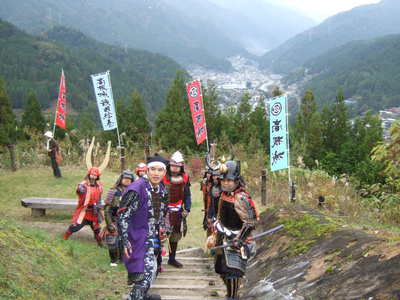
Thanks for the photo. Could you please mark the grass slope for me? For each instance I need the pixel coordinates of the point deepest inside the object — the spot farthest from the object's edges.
(36, 264)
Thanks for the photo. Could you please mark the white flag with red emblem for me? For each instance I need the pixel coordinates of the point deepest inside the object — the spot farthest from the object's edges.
(197, 109)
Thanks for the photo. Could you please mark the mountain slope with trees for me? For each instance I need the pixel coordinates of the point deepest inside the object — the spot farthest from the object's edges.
(33, 63)
(367, 71)
(361, 23)
(198, 32)
(152, 25)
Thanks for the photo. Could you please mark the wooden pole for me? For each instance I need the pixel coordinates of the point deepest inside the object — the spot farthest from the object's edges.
(11, 149)
(122, 158)
(293, 192)
(264, 187)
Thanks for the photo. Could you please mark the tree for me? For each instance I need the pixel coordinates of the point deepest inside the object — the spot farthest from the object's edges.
(307, 131)
(243, 125)
(347, 147)
(32, 117)
(137, 127)
(336, 125)
(258, 119)
(229, 134)
(174, 126)
(212, 111)
(8, 124)
(389, 155)
(277, 92)
(365, 135)
(337, 144)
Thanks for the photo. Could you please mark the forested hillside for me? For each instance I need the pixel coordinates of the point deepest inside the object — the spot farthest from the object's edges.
(152, 25)
(367, 71)
(361, 23)
(198, 32)
(28, 62)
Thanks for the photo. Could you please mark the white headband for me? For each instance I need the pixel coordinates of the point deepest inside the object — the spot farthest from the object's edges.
(157, 164)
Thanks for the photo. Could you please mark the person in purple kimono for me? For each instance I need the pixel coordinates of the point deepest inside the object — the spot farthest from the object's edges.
(142, 225)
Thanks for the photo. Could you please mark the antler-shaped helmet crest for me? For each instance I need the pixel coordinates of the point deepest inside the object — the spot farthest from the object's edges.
(106, 160)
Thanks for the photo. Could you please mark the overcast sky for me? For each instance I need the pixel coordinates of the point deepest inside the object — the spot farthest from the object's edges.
(321, 9)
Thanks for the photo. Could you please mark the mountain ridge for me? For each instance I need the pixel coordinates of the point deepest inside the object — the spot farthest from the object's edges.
(34, 63)
(360, 23)
(367, 71)
(198, 32)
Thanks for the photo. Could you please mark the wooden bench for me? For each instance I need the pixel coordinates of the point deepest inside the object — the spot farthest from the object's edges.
(39, 205)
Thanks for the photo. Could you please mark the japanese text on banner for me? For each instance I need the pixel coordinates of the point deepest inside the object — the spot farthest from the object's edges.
(278, 134)
(61, 112)
(105, 100)
(196, 107)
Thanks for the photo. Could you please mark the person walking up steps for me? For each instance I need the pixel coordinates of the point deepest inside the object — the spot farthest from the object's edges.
(179, 203)
(142, 225)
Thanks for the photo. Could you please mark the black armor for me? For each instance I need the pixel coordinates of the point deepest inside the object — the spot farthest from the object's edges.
(236, 218)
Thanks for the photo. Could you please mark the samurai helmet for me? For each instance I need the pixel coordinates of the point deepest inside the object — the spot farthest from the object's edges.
(230, 170)
(103, 165)
(124, 174)
(94, 171)
(177, 159)
(216, 172)
(128, 174)
(212, 165)
(140, 168)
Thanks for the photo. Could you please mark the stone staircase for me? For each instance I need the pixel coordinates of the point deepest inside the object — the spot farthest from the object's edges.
(195, 281)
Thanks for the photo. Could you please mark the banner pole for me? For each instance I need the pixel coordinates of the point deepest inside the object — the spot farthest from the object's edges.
(204, 114)
(288, 148)
(58, 100)
(116, 120)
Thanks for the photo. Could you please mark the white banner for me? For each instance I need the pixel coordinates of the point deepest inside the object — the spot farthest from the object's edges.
(279, 144)
(105, 100)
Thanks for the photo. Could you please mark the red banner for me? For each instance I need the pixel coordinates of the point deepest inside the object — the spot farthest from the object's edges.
(196, 107)
(62, 104)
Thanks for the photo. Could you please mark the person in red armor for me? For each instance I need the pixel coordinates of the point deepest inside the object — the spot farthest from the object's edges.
(177, 183)
(141, 170)
(89, 193)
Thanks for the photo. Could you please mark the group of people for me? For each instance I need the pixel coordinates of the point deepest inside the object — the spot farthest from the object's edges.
(146, 210)
(142, 211)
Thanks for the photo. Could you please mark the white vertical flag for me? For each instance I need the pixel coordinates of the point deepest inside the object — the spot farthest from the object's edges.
(105, 100)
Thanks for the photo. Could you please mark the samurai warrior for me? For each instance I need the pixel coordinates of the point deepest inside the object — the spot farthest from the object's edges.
(177, 183)
(111, 207)
(141, 170)
(88, 210)
(53, 150)
(236, 218)
(214, 195)
(205, 187)
(142, 225)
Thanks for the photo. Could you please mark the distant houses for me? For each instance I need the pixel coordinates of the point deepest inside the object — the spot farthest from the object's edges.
(388, 116)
